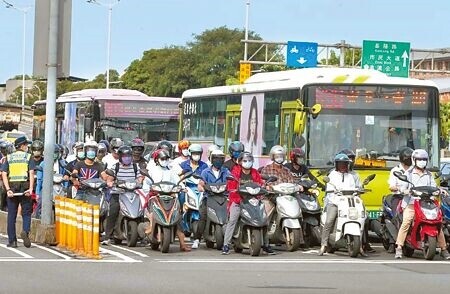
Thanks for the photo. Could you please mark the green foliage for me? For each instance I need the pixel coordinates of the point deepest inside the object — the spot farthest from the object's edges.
(352, 57)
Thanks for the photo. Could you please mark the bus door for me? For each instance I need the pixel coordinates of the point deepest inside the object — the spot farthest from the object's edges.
(232, 124)
(288, 110)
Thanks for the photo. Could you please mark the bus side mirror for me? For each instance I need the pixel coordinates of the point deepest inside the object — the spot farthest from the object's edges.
(88, 125)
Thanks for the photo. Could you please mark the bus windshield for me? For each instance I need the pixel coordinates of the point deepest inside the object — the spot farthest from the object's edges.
(375, 121)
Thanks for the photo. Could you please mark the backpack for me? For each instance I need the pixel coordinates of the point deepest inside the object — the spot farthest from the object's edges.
(134, 167)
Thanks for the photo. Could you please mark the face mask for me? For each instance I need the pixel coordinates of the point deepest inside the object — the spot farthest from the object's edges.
(217, 163)
(91, 154)
(247, 164)
(300, 161)
(55, 156)
(421, 163)
(80, 155)
(163, 163)
(126, 160)
(196, 157)
(185, 152)
(279, 159)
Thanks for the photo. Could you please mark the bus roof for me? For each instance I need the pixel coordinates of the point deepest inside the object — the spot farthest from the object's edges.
(108, 94)
(291, 79)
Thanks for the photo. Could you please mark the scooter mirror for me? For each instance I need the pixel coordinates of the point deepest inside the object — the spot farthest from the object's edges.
(400, 176)
(368, 179)
(144, 172)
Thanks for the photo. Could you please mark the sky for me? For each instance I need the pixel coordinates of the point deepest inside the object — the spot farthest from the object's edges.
(140, 25)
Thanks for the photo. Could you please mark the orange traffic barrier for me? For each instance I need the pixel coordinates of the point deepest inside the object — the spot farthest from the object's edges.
(79, 211)
(62, 223)
(96, 232)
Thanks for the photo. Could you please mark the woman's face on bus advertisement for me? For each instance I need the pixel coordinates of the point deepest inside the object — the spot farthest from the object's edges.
(253, 122)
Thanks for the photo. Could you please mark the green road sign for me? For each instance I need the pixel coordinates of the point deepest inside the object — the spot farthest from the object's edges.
(392, 58)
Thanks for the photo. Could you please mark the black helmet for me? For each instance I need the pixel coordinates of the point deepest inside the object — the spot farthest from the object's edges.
(115, 144)
(37, 145)
(165, 145)
(405, 156)
(245, 155)
(124, 151)
(105, 142)
(235, 149)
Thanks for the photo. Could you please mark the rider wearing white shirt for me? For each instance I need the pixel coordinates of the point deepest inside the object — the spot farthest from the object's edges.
(112, 158)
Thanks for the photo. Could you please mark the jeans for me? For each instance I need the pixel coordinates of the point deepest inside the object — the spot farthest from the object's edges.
(113, 214)
(13, 205)
(332, 213)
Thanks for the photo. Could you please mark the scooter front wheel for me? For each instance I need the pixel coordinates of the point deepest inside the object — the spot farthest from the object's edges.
(165, 240)
(292, 237)
(353, 245)
(429, 250)
(132, 233)
(255, 242)
(219, 236)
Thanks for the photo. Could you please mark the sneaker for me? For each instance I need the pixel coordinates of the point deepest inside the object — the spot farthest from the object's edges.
(398, 253)
(226, 250)
(369, 249)
(106, 242)
(322, 250)
(445, 254)
(268, 250)
(12, 244)
(195, 244)
(391, 248)
(26, 239)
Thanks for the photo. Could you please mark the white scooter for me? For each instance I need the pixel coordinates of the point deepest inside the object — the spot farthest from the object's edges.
(285, 219)
(349, 225)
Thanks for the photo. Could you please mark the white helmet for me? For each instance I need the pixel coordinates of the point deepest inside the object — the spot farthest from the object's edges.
(278, 152)
(211, 149)
(419, 154)
(195, 148)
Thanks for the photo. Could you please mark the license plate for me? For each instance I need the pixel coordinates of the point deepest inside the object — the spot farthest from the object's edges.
(373, 214)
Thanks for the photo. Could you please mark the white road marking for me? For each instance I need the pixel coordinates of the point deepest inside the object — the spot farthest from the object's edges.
(129, 250)
(57, 253)
(119, 255)
(66, 260)
(299, 261)
(24, 255)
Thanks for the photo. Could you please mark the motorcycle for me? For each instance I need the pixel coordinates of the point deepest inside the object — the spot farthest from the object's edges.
(164, 211)
(311, 211)
(58, 187)
(191, 214)
(252, 224)
(445, 207)
(427, 220)
(349, 225)
(216, 214)
(94, 194)
(387, 228)
(285, 217)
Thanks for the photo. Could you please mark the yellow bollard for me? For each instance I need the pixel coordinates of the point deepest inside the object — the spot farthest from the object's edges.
(62, 221)
(85, 227)
(72, 225)
(57, 230)
(79, 211)
(96, 232)
(89, 226)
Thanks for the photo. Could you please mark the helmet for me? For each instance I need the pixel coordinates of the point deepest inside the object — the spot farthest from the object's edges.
(115, 144)
(405, 156)
(195, 148)
(245, 156)
(102, 147)
(57, 152)
(37, 145)
(419, 154)
(350, 154)
(65, 151)
(124, 151)
(137, 146)
(235, 148)
(212, 148)
(159, 154)
(105, 142)
(277, 151)
(341, 158)
(165, 145)
(90, 147)
(78, 145)
(183, 144)
(4, 147)
(296, 152)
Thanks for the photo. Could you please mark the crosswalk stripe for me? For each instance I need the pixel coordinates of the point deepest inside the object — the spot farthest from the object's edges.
(23, 254)
(129, 250)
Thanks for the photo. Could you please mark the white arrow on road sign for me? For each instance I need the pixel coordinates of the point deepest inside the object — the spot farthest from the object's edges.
(405, 57)
(302, 60)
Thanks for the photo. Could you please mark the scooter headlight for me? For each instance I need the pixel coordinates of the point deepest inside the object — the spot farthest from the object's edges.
(311, 205)
(94, 185)
(352, 213)
(166, 188)
(130, 185)
(218, 189)
(436, 193)
(156, 188)
(286, 188)
(253, 191)
(430, 214)
(191, 201)
(254, 201)
(176, 189)
(416, 193)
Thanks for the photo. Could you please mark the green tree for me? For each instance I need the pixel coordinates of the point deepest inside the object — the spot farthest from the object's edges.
(352, 58)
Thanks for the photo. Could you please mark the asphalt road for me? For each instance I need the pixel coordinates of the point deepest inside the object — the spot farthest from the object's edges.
(42, 269)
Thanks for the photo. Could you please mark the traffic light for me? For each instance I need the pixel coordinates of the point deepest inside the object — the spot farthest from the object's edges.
(245, 70)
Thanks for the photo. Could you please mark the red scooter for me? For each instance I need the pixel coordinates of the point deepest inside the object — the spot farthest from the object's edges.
(427, 221)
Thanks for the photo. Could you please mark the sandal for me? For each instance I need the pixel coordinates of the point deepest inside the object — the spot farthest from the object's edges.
(185, 249)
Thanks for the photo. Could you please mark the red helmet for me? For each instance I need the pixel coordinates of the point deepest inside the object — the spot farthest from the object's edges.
(160, 153)
(296, 152)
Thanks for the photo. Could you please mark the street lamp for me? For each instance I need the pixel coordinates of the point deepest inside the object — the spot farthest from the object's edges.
(247, 8)
(109, 6)
(24, 10)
